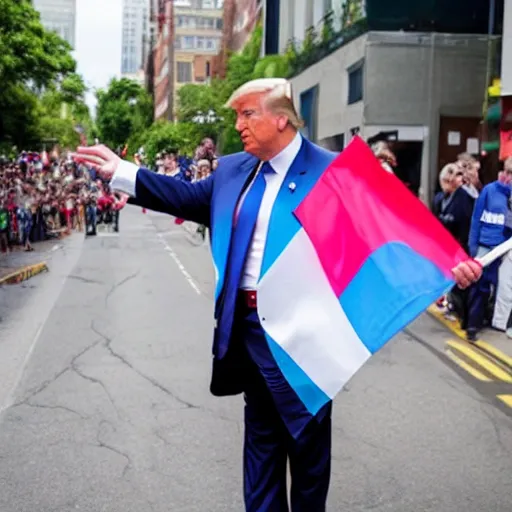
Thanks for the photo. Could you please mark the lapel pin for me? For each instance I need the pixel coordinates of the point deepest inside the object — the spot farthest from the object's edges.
(292, 186)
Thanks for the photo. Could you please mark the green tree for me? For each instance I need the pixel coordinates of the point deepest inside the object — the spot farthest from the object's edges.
(272, 66)
(31, 60)
(165, 136)
(27, 50)
(124, 109)
(353, 11)
(204, 105)
(62, 110)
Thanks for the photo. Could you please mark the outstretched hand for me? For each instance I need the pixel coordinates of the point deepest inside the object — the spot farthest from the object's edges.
(101, 158)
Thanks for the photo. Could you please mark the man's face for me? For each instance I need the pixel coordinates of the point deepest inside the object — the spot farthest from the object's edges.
(258, 128)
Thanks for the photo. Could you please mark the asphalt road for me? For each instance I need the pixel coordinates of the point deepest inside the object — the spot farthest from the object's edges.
(105, 367)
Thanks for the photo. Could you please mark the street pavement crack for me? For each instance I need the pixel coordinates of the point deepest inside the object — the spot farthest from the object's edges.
(84, 279)
(39, 389)
(151, 380)
(118, 285)
(53, 407)
(80, 373)
(113, 449)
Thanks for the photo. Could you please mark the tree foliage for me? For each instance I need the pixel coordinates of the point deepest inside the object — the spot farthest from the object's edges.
(204, 104)
(201, 107)
(124, 108)
(27, 50)
(63, 112)
(35, 64)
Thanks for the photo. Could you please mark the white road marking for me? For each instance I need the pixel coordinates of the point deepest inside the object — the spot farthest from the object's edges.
(183, 270)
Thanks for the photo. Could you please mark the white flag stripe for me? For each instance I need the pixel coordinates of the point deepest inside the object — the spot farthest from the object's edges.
(299, 311)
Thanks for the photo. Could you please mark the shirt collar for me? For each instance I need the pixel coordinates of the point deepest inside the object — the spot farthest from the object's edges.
(282, 161)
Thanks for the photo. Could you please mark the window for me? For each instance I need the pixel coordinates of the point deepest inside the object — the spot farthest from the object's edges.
(209, 23)
(211, 43)
(184, 72)
(208, 4)
(187, 42)
(355, 83)
(308, 112)
(200, 43)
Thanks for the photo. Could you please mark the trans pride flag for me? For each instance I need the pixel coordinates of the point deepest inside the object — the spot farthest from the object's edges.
(368, 258)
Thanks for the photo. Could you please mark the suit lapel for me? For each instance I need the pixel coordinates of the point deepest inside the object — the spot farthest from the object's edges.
(223, 215)
(299, 180)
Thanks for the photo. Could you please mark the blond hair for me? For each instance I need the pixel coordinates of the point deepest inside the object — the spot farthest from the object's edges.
(205, 163)
(278, 97)
(447, 170)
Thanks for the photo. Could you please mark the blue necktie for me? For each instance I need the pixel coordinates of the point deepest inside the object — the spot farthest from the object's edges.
(240, 242)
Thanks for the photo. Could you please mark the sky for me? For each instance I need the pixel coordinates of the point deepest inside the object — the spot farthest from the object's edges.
(98, 42)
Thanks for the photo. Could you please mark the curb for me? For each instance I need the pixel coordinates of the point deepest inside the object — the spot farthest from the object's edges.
(24, 273)
(451, 325)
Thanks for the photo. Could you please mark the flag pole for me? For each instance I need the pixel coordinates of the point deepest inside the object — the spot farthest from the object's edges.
(496, 253)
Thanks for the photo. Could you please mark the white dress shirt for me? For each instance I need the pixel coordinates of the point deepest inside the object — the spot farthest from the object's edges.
(126, 174)
(280, 163)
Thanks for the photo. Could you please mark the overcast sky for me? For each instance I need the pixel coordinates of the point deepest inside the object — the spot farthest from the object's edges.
(98, 42)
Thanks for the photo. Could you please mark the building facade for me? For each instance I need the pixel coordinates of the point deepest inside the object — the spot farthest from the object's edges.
(422, 90)
(189, 37)
(58, 16)
(239, 20)
(136, 35)
(198, 27)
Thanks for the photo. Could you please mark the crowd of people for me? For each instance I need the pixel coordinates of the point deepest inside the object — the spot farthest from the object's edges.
(196, 168)
(480, 219)
(43, 197)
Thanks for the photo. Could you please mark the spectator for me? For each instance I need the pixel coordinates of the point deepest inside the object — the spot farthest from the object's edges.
(454, 206)
(488, 229)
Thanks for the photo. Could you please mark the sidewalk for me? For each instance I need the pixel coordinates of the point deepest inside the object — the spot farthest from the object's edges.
(18, 265)
(497, 338)
(488, 360)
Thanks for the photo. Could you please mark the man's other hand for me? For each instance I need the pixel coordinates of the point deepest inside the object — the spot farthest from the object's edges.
(467, 273)
(100, 158)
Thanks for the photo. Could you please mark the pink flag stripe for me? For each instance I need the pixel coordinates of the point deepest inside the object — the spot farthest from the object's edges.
(356, 207)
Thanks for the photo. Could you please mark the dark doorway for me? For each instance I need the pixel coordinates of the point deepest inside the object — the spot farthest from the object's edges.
(408, 159)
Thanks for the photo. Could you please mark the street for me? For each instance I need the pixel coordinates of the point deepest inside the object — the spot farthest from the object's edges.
(105, 367)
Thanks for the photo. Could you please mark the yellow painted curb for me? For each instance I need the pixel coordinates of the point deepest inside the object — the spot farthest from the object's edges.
(24, 273)
(480, 360)
(452, 325)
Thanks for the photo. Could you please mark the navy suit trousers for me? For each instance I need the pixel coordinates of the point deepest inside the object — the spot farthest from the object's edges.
(268, 443)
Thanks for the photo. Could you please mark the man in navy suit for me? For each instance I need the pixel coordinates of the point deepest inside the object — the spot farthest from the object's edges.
(248, 205)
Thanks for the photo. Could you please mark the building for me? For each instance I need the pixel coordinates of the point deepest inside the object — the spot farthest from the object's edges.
(160, 54)
(423, 90)
(58, 16)
(239, 20)
(136, 36)
(197, 28)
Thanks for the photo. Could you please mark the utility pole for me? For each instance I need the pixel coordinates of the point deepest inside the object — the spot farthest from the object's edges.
(170, 61)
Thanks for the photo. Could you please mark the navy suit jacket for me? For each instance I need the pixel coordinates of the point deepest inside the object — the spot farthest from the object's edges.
(212, 202)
